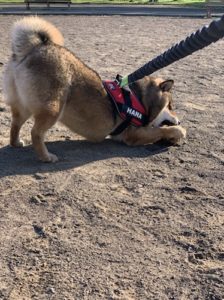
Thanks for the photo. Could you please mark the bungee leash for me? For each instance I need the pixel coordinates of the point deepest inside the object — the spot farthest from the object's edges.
(196, 41)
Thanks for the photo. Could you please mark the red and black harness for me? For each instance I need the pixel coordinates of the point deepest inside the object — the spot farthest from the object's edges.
(127, 105)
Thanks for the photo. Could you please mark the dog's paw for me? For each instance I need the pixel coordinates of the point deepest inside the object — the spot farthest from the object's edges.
(18, 144)
(176, 134)
(50, 158)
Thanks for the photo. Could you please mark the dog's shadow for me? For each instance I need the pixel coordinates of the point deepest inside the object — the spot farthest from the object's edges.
(72, 154)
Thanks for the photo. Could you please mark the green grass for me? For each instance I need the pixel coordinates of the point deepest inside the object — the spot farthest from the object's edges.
(11, 1)
(164, 2)
(182, 2)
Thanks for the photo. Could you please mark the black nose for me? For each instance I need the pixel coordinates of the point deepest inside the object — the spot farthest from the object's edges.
(178, 123)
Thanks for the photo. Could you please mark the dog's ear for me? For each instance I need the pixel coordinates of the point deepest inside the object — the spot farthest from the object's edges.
(166, 86)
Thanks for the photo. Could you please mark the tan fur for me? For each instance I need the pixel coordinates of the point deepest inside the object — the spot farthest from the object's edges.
(45, 80)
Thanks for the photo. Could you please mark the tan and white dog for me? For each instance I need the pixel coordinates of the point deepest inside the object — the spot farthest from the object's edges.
(45, 80)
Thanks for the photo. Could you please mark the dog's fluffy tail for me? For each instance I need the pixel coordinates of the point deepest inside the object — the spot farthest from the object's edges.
(30, 32)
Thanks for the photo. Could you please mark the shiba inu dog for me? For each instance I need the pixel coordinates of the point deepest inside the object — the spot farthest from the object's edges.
(45, 80)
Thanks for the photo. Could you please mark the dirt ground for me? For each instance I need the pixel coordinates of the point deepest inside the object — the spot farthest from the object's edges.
(109, 221)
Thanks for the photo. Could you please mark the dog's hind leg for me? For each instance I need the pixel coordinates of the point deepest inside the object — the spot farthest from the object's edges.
(44, 121)
(19, 117)
(19, 113)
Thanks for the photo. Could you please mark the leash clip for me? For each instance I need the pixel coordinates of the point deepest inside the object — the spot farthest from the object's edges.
(118, 79)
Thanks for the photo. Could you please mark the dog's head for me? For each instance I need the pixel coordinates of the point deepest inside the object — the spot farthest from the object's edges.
(155, 94)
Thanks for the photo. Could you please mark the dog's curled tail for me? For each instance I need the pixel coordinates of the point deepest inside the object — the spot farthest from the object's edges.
(30, 32)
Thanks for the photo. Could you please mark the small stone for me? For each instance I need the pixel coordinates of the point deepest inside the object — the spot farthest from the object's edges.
(39, 176)
(35, 200)
(2, 109)
(38, 199)
(140, 186)
(39, 230)
(50, 290)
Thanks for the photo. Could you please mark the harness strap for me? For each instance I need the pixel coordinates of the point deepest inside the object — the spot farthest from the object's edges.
(126, 105)
(121, 127)
(120, 107)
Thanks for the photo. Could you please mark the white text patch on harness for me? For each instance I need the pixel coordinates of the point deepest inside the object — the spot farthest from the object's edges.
(127, 104)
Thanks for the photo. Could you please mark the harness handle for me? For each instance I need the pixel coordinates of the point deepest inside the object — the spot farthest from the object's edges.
(196, 41)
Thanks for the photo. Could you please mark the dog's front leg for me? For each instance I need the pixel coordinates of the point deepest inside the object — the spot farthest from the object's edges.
(149, 135)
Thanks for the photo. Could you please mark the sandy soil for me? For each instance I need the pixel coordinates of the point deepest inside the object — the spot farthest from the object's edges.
(109, 221)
